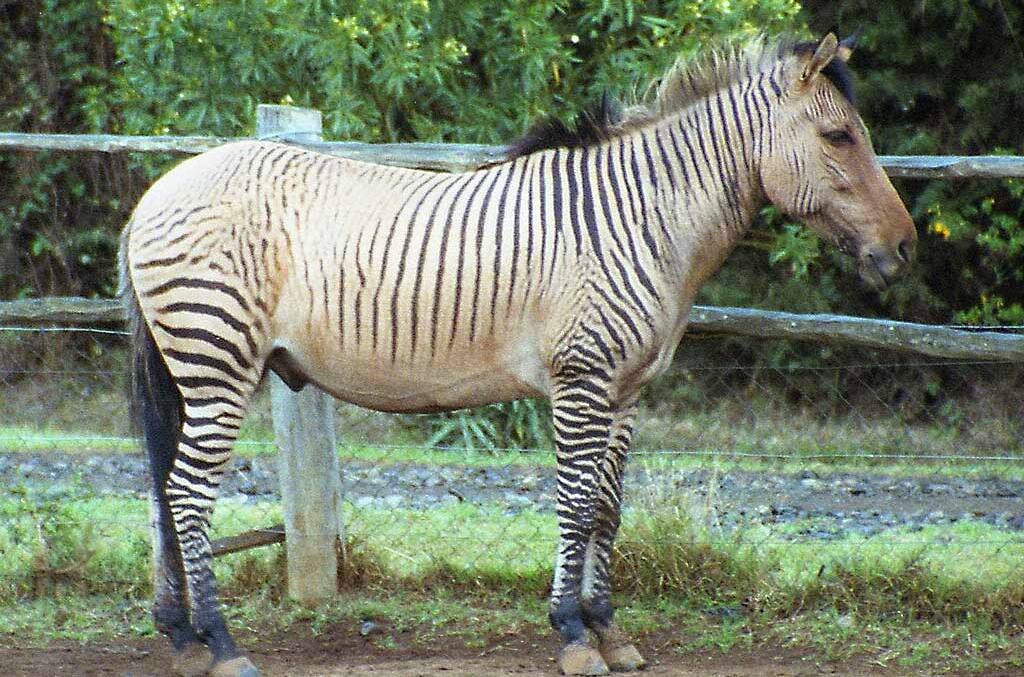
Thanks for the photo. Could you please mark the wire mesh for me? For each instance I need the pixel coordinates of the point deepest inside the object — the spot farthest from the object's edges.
(806, 456)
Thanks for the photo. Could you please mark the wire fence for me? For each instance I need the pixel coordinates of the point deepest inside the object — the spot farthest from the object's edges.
(780, 447)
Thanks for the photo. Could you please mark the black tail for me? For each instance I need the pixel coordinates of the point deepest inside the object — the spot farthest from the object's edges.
(156, 405)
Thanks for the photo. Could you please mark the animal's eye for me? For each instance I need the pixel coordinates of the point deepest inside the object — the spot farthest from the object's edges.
(838, 137)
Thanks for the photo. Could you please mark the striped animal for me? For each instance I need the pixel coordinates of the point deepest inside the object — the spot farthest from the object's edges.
(567, 272)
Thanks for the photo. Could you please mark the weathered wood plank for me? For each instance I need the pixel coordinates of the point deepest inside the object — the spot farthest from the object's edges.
(111, 143)
(250, 539)
(461, 157)
(935, 341)
(67, 311)
(432, 156)
(953, 166)
(923, 339)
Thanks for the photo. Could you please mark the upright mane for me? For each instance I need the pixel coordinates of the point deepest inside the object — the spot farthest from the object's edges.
(689, 80)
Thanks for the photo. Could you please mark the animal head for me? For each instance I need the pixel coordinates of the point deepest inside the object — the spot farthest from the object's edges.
(821, 167)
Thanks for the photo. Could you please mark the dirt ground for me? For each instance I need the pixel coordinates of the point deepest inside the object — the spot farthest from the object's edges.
(333, 653)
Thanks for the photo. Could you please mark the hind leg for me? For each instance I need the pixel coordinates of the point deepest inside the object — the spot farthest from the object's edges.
(212, 412)
(170, 608)
(598, 614)
(158, 410)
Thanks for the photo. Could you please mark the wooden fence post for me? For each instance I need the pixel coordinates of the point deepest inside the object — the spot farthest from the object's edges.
(304, 429)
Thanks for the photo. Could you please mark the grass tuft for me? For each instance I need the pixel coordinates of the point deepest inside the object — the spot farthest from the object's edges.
(662, 549)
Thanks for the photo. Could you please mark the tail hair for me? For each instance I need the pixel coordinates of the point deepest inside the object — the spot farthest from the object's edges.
(155, 401)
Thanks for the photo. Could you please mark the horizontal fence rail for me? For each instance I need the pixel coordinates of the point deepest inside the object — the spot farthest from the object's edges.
(925, 339)
(462, 157)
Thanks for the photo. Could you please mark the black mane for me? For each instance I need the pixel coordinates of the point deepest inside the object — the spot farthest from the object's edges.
(596, 124)
(682, 85)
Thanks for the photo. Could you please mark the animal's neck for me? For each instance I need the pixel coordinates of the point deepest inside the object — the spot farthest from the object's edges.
(701, 181)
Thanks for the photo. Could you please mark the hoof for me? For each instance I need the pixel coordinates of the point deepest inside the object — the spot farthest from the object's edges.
(192, 661)
(623, 658)
(580, 659)
(236, 667)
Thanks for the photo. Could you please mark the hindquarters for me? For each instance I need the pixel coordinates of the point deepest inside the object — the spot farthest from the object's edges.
(198, 351)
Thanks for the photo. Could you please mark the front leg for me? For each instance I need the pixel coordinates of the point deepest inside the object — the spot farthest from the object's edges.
(598, 612)
(582, 418)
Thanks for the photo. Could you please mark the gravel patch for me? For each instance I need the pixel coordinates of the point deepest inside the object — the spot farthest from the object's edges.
(811, 505)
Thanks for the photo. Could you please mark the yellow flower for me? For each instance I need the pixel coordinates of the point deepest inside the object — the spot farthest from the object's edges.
(940, 229)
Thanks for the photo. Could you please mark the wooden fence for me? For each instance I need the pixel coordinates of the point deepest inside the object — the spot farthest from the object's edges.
(303, 422)
(453, 157)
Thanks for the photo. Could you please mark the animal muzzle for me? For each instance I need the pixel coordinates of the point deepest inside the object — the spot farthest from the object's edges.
(881, 264)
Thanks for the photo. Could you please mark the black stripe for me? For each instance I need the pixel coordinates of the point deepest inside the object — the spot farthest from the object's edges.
(666, 161)
(678, 154)
(774, 84)
(722, 175)
(341, 292)
(197, 334)
(598, 341)
(414, 319)
(197, 382)
(385, 258)
(613, 184)
(214, 311)
(557, 176)
(645, 230)
(201, 360)
(501, 221)
(442, 257)
(627, 319)
(612, 332)
(198, 283)
(200, 402)
(516, 250)
(587, 206)
(157, 263)
(542, 217)
(461, 261)
(573, 193)
(203, 421)
(410, 227)
(731, 180)
(534, 169)
(485, 204)
(693, 153)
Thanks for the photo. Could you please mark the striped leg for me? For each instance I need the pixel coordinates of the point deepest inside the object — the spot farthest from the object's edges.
(582, 420)
(598, 613)
(212, 415)
(170, 613)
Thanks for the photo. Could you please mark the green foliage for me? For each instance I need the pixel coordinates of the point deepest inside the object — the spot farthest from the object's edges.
(60, 212)
(946, 78)
(408, 70)
(522, 424)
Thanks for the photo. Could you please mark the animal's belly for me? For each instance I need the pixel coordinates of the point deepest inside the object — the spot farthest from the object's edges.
(440, 386)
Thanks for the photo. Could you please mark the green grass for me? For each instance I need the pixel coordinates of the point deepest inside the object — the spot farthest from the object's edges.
(77, 567)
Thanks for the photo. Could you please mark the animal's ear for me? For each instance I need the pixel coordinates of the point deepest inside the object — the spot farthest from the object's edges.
(826, 50)
(847, 45)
